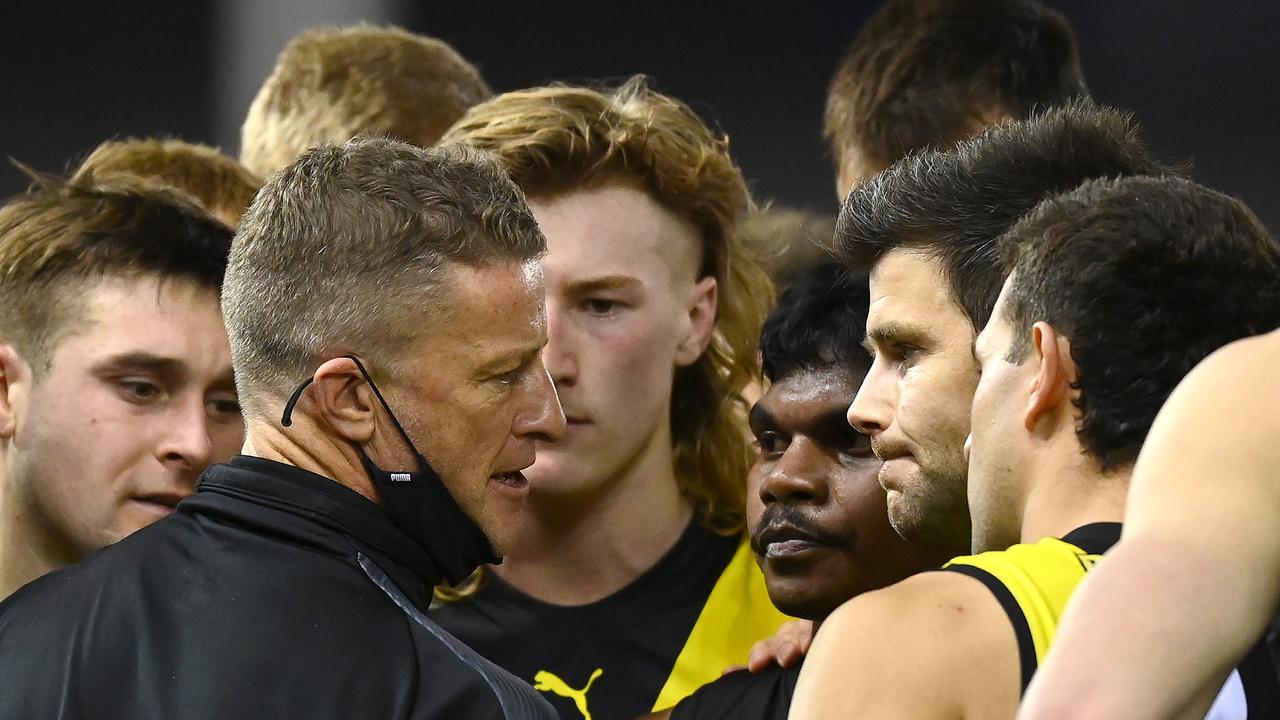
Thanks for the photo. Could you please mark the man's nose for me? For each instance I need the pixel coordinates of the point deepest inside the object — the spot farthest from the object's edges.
(560, 354)
(872, 409)
(184, 442)
(797, 476)
(542, 418)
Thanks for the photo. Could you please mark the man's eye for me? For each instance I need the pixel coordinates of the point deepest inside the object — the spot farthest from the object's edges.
(600, 306)
(771, 443)
(905, 354)
(224, 409)
(510, 377)
(858, 447)
(141, 392)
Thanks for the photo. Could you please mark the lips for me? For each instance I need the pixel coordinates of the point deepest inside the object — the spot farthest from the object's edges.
(785, 539)
(512, 479)
(168, 499)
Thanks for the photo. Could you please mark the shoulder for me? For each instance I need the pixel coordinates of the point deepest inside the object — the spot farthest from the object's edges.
(919, 611)
(935, 644)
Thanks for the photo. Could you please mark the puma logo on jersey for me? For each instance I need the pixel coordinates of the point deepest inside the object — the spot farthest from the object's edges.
(546, 681)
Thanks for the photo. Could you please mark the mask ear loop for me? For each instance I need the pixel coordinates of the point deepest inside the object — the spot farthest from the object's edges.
(286, 418)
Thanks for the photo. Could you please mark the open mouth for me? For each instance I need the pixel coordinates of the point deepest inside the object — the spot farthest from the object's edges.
(160, 503)
(513, 479)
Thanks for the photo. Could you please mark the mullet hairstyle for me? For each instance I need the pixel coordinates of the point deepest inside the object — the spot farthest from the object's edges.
(819, 322)
(60, 238)
(342, 251)
(1146, 277)
(929, 73)
(217, 183)
(954, 206)
(330, 84)
(558, 139)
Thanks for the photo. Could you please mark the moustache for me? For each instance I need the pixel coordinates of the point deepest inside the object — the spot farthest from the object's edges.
(781, 521)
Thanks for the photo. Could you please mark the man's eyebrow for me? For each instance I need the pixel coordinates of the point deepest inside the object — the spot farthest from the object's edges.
(835, 421)
(141, 361)
(520, 356)
(896, 332)
(759, 417)
(172, 369)
(605, 282)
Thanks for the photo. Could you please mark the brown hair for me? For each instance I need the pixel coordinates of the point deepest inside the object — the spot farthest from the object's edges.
(59, 237)
(930, 73)
(330, 84)
(217, 183)
(559, 138)
(788, 241)
(344, 244)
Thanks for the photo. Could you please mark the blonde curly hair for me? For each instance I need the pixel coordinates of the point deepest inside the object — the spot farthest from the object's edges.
(560, 138)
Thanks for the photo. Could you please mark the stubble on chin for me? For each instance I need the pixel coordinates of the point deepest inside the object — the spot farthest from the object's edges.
(932, 509)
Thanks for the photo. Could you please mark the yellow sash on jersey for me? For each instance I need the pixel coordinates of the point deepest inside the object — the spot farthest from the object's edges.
(737, 614)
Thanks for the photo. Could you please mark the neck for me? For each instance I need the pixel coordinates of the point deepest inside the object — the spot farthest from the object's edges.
(1072, 492)
(308, 450)
(28, 546)
(574, 550)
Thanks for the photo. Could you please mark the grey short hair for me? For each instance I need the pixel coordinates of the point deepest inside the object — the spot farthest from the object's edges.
(340, 249)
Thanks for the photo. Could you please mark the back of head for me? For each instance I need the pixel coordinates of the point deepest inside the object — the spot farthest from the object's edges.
(342, 251)
(786, 241)
(818, 323)
(558, 139)
(929, 73)
(953, 206)
(217, 183)
(1146, 277)
(331, 84)
(59, 238)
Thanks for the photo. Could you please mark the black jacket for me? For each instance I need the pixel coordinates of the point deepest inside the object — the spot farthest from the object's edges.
(272, 593)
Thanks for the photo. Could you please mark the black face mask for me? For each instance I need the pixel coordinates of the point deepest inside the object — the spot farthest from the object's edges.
(419, 502)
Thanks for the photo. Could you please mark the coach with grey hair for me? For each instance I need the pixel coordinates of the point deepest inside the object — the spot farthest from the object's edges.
(384, 305)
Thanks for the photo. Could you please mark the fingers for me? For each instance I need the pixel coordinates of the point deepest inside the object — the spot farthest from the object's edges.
(786, 648)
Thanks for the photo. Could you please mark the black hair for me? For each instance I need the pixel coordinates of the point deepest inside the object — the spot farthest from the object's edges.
(953, 206)
(1145, 277)
(819, 322)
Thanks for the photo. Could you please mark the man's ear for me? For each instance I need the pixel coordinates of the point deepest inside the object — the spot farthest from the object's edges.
(1051, 385)
(15, 384)
(343, 400)
(700, 323)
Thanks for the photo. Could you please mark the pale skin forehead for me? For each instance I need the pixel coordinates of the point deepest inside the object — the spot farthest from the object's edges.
(615, 228)
(908, 290)
(163, 316)
(496, 312)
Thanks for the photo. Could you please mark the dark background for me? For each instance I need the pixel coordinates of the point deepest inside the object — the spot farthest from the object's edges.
(1200, 76)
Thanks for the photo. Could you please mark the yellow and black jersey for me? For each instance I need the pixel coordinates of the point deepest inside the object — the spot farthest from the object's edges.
(675, 628)
(1034, 581)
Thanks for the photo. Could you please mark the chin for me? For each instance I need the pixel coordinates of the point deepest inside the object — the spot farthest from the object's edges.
(805, 603)
(562, 475)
